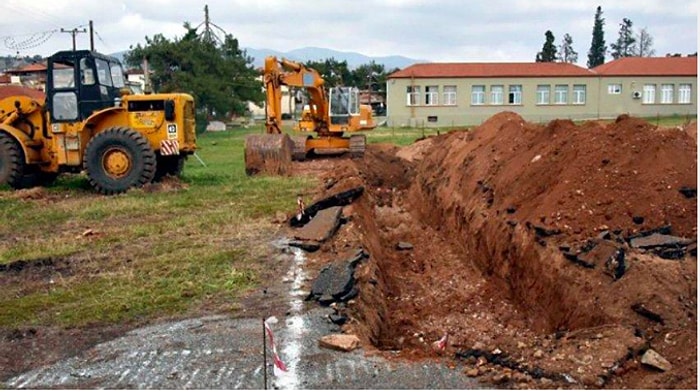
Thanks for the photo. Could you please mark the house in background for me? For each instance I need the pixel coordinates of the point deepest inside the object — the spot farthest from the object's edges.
(30, 75)
(648, 86)
(5, 80)
(455, 94)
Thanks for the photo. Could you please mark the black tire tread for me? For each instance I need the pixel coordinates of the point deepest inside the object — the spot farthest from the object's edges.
(142, 147)
(14, 174)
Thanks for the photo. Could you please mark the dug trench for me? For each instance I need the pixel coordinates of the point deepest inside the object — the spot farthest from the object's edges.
(517, 241)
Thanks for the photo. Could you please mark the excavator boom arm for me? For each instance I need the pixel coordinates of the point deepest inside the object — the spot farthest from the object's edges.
(278, 73)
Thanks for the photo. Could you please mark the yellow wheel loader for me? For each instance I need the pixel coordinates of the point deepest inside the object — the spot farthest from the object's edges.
(88, 120)
(329, 115)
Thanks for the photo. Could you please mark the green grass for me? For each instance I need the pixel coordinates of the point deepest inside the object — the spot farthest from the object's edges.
(142, 254)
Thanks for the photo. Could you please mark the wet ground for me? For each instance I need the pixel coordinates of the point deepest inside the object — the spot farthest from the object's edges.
(220, 352)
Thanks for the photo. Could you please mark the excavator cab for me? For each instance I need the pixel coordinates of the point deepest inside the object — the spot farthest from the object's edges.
(344, 103)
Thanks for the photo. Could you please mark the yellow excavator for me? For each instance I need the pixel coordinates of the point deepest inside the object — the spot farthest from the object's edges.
(329, 115)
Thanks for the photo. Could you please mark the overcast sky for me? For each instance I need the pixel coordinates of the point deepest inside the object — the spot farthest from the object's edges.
(432, 30)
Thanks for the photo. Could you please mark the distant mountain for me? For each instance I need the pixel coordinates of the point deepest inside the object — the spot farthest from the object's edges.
(315, 54)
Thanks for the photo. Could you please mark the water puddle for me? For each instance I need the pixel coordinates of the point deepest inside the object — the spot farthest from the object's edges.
(291, 342)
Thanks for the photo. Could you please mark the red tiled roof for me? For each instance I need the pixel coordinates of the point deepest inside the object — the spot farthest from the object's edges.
(490, 70)
(35, 67)
(650, 66)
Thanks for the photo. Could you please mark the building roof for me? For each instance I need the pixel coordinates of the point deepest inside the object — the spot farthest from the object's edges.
(626, 66)
(29, 68)
(650, 66)
(490, 70)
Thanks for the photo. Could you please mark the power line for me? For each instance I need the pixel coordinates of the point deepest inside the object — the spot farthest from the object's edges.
(34, 40)
(73, 33)
(33, 12)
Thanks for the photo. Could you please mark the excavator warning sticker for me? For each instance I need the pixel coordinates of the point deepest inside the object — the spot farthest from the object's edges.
(172, 131)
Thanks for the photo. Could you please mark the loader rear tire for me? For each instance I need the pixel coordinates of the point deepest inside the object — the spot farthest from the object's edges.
(12, 165)
(117, 159)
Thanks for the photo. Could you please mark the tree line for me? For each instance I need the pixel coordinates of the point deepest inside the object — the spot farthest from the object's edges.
(221, 76)
(628, 44)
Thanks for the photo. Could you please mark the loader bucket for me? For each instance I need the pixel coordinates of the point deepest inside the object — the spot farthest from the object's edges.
(268, 154)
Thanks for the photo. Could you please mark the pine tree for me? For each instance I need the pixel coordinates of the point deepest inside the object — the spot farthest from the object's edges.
(644, 44)
(624, 47)
(220, 75)
(596, 54)
(567, 54)
(549, 50)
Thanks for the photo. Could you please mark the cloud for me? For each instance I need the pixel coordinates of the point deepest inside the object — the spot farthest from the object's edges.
(445, 30)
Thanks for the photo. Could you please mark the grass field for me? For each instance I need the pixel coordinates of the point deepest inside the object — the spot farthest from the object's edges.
(184, 246)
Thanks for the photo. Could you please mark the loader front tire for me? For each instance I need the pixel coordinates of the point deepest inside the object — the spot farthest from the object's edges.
(11, 162)
(117, 159)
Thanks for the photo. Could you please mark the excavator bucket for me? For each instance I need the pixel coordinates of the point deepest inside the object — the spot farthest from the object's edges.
(268, 154)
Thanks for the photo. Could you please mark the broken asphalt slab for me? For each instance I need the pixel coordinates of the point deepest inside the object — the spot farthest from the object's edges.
(321, 227)
(336, 281)
(659, 240)
(338, 200)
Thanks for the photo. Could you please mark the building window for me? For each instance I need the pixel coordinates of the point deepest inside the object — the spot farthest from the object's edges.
(478, 95)
(614, 89)
(497, 95)
(649, 93)
(412, 95)
(579, 94)
(431, 95)
(449, 95)
(515, 94)
(684, 93)
(543, 94)
(561, 93)
(666, 93)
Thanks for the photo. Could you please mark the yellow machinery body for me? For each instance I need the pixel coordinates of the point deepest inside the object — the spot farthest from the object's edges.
(327, 118)
(123, 141)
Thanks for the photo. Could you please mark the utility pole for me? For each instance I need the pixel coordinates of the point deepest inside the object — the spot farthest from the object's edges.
(92, 38)
(73, 33)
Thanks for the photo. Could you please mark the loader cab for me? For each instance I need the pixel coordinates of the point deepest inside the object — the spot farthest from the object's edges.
(344, 102)
(80, 83)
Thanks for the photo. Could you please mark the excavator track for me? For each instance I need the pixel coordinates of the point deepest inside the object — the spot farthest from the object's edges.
(358, 144)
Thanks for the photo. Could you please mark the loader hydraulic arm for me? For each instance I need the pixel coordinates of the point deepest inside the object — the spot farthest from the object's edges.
(278, 73)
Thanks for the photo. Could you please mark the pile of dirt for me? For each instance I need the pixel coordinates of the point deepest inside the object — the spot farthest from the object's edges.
(481, 269)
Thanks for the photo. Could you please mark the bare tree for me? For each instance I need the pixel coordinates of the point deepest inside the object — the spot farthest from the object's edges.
(644, 44)
(567, 54)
